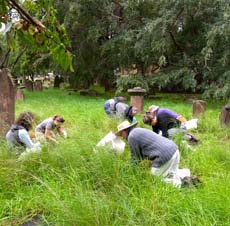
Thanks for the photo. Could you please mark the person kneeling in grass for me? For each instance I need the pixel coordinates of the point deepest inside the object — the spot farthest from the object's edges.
(18, 138)
(162, 152)
(168, 122)
(46, 129)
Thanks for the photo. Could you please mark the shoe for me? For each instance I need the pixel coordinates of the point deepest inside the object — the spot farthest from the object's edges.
(192, 181)
(185, 182)
(193, 140)
(195, 181)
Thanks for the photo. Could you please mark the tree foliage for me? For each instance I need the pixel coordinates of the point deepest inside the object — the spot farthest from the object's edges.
(186, 39)
(34, 29)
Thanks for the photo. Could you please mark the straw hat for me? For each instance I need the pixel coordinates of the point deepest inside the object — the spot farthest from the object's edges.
(124, 125)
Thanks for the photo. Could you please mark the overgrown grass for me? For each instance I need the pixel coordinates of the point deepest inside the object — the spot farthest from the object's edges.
(68, 184)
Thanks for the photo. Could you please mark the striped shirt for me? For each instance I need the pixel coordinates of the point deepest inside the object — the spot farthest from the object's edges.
(145, 144)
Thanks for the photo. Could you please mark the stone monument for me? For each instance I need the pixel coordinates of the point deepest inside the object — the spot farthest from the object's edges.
(7, 100)
(37, 85)
(19, 94)
(199, 108)
(225, 116)
(137, 98)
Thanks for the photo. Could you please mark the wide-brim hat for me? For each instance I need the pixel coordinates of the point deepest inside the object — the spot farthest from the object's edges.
(124, 125)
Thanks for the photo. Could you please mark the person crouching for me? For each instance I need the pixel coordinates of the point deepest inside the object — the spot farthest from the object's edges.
(162, 152)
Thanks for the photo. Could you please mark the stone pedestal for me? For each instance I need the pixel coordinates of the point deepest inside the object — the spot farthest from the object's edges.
(199, 108)
(7, 101)
(225, 116)
(137, 98)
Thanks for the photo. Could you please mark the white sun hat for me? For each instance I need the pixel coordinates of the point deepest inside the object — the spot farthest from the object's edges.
(124, 125)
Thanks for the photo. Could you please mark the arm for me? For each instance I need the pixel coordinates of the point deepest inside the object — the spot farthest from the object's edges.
(173, 114)
(61, 130)
(25, 138)
(156, 129)
(48, 135)
(134, 149)
(181, 119)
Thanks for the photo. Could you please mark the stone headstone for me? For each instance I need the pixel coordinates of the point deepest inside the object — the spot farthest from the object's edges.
(199, 108)
(137, 98)
(38, 85)
(29, 85)
(19, 94)
(7, 101)
(225, 116)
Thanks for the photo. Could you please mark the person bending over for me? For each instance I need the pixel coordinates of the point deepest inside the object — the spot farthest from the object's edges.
(48, 128)
(162, 152)
(168, 122)
(110, 105)
(18, 138)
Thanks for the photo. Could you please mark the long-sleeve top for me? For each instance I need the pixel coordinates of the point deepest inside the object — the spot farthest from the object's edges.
(120, 109)
(19, 136)
(166, 119)
(145, 144)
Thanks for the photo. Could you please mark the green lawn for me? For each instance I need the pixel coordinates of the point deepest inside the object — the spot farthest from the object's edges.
(68, 184)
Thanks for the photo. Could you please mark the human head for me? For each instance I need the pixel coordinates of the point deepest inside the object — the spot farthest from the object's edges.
(25, 119)
(58, 120)
(149, 119)
(130, 111)
(123, 128)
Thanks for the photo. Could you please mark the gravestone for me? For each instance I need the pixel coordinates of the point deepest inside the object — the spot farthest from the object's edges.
(225, 116)
(7, 101)
(199, 108)
(29, 85)
(137, 98)
(37, 85)
(19, 94)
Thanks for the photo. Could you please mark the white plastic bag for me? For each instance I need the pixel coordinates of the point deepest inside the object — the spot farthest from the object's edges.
(114, 142)
(191, 124)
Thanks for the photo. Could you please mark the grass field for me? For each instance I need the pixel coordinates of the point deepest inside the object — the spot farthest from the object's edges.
(68, 184)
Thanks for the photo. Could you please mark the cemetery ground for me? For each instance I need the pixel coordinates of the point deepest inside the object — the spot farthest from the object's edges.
(69, 184)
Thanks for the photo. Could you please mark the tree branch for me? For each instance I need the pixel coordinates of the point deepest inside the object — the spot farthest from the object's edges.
(18, 57)
(175, 42)
(26, 15)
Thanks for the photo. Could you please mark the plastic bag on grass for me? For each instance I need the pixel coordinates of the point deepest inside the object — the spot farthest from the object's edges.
(113, 142)
(191, 124)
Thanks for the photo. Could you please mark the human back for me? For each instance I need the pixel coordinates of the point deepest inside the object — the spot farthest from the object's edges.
(144, 143)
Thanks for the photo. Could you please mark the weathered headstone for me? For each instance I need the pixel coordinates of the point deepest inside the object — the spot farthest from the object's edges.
(7, 101)
(37, 85)
(19, 94)
(225, 116)
(29, 85)
(199, 108)
(137, 98)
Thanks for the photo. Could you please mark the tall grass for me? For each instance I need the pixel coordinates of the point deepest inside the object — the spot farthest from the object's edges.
(68, 184)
